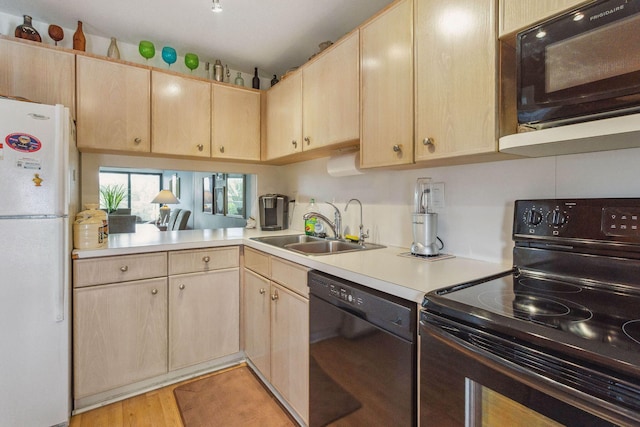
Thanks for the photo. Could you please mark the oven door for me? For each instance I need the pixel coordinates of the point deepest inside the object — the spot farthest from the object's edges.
(462, 384)
(581, 65)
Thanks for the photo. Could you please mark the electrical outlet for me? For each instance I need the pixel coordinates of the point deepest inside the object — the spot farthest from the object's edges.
(437, 198)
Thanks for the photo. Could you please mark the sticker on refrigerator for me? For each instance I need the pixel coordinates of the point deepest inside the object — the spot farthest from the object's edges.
(27, 163)
(23, 142)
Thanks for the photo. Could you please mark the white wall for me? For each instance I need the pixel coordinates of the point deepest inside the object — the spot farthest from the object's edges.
(478, 214)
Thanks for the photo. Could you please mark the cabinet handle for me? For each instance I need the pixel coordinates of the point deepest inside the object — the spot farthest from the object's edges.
(154, 292)
(263, 291)
(397, 148)
(137, 140)
(308, 140)
(181, 287)
(206, 258)
(222, 148)
(428, 141)
(200, 147)
(124, 268)
(294, 143)
(274, 296)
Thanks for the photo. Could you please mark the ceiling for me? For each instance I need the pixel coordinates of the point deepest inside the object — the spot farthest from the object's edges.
(273, 35)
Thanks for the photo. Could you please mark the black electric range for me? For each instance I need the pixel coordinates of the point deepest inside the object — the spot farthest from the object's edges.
(573, 297)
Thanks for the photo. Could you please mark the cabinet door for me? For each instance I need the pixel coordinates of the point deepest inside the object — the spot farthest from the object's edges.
(119, 334)
(37, 73)
(284, 118)
(180, 115)
(519, 14)
(113, 106)
(455, 54)
(256, 303)
(204, 317)
(235, 123)
(387, 88)
(290, 348)
(330, 95)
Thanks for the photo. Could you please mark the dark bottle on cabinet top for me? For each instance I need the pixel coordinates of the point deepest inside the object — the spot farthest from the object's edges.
(26, 30)
(256, 80)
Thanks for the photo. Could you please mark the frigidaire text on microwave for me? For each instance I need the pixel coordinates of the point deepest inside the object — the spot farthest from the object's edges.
(580, 66)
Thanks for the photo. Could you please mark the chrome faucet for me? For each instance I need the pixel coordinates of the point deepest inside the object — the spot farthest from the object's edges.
(362, 235)
(336, 225)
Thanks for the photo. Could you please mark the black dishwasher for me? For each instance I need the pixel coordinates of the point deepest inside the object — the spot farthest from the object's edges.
(362, 355)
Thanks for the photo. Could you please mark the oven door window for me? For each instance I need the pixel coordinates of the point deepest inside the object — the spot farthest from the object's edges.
(486, 408)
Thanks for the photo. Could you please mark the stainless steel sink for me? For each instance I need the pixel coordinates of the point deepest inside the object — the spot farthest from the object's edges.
(310, 245)
(282, 241)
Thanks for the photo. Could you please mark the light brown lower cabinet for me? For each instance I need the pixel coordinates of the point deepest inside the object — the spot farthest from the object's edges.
(204, 317)
(127, 331)
(276, 325)
(257, 323)
(119, 334)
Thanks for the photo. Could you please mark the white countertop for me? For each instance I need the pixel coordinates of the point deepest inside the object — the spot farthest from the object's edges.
(381, 269)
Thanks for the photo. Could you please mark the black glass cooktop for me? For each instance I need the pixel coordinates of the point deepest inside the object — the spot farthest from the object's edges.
(563, 315)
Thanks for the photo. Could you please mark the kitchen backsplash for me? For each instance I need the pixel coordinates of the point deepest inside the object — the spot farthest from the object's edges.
(478, 214)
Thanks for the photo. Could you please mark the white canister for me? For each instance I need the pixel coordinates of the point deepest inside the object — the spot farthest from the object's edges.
(92, 210)
(91, 228)
(88, 233)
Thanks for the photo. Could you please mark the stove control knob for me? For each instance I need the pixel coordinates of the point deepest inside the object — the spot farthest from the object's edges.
(557, 218)
(533, 218)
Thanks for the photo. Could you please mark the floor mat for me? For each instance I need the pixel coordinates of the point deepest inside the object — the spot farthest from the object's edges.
(232, 398)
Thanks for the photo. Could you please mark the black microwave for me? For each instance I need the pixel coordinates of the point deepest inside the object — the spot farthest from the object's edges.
(580, 66)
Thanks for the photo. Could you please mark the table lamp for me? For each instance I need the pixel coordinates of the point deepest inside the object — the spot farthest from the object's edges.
(165, 197)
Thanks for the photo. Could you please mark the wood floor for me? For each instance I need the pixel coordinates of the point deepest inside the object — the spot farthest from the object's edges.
(156, 408)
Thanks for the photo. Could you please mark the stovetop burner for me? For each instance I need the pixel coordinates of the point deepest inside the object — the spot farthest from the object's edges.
(553, 286)
(598, 320)
(632, 330)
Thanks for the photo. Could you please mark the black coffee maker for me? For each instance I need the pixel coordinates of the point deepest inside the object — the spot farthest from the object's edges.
(274, 212)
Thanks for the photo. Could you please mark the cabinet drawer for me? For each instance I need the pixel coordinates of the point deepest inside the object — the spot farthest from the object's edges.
(257, 261)
(200, 260)
(97, 271)
(293, 276)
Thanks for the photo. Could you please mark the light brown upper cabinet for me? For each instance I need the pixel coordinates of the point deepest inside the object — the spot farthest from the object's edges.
(519, 14)
(330, 96)
(40, 74)
(284, 118)
(456, 79)
(113, 106)
(180, 115)
(235, 123)
(317, 106)
(386, 64)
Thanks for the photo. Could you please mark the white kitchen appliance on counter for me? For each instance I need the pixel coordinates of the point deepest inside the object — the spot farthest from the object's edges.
(38, 194)
(424, 221)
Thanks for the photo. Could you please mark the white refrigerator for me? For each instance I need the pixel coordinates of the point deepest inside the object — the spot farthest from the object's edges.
(38, 194)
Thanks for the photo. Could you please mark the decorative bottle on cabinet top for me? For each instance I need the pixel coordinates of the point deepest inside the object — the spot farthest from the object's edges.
(79, 41)
(239, 80)
(255, 83)
(113, 51)
(26, 30)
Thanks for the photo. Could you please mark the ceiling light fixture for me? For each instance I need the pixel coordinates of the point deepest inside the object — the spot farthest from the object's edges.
(217, 7)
